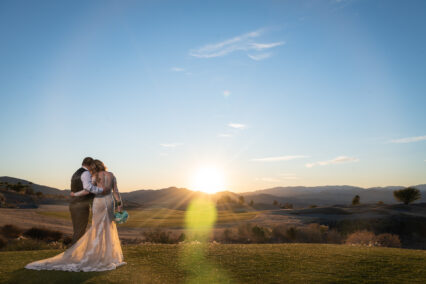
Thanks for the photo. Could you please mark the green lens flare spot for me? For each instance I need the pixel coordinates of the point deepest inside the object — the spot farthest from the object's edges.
(201, 215)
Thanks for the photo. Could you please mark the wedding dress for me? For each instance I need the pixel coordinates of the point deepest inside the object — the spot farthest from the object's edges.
(99, 249)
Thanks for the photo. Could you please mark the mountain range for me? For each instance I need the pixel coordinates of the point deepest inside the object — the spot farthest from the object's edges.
(299, 196)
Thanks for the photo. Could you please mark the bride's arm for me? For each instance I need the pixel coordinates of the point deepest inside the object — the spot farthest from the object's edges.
(117, 195)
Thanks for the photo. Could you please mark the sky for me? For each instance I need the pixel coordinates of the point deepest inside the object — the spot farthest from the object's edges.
(269, 93)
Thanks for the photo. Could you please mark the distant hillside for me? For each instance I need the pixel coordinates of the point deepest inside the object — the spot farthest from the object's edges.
(299, 196)
(327, 195)
(36, 187)
(172, 197)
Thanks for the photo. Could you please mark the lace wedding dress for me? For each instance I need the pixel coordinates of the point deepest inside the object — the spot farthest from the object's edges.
(99, 249)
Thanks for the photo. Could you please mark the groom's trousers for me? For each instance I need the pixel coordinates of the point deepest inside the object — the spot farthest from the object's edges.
(80, 212)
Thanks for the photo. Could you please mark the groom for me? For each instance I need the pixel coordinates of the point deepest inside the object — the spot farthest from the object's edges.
(80, 205)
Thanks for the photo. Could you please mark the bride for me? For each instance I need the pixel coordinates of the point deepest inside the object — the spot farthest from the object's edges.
(99, 249)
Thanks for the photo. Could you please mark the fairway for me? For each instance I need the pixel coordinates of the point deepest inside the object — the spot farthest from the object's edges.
(217, 263)
(162, 217)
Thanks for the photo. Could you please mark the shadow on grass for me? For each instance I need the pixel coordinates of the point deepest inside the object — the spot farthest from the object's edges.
(51, 276)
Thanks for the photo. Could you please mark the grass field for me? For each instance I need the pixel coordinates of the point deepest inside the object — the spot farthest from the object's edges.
(161, 217)
(217, 263)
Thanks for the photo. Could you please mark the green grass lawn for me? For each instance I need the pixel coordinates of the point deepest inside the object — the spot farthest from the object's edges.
(161, 217)
(217, 263)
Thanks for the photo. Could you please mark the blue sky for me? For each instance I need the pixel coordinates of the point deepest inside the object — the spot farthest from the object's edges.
(272, 93)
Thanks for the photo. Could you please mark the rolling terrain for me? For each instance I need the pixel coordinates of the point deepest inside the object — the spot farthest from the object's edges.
(178, 198)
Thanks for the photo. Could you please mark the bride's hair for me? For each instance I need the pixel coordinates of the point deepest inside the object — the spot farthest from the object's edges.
(98, 166)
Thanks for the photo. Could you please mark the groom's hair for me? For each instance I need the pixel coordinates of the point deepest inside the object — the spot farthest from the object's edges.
(87, 161)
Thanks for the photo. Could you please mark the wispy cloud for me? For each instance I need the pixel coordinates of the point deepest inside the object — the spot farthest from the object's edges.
(225, 135)
(177, 69)
(409, 139)
(338, 160)
(289, 176)
(267, 179)
(237, 125)
(170, 145)
(226, 93)
(262, 46)
(279, 158)
(259, 57)
(244, 42)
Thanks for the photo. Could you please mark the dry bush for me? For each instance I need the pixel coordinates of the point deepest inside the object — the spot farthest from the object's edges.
(2, 200)
(162, 237)
(365, 238)
(388, 240)
(244, 233)
(228, 236)
(313, 233)
(43, 234)
(260, 234)
(66, 240)
(133, 241)
(3, 242)
(11, 231)
(333, 237)
(26, 244)
(279, 234)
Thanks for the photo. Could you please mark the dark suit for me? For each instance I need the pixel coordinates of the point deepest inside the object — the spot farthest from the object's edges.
(79, 206)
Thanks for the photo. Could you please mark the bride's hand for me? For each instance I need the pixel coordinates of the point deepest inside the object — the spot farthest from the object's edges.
(120, 208)
(72, 194)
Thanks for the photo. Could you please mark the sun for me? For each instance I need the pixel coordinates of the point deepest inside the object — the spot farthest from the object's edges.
(208, 179)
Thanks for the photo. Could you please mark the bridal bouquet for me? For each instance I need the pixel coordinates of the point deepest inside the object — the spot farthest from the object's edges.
(121, 217)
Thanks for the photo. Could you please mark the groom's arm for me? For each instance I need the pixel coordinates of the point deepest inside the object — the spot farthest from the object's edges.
(86, 178)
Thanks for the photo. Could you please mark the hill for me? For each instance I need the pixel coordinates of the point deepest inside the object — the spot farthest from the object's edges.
(300, 196)
(36, 187)
(217, 263)
(327, 195)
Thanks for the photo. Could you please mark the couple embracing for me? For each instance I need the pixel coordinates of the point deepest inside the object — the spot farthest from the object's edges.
(99, 248)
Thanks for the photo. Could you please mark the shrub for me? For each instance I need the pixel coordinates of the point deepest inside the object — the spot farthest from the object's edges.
(291, 233)
(407, 195)
(333, 237)
(244, 233)
(25, 244)
(365, 238)
(162, 237)
(286, 206)
(67, 240)
(388, 240)
(43, 234)
(11, 231)
(355, 200)
(2, 200)
(313, 206)
(260, 234)
(313, 233)
(241, 199)
(3, 242)
(279, 234)
(228, 236)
